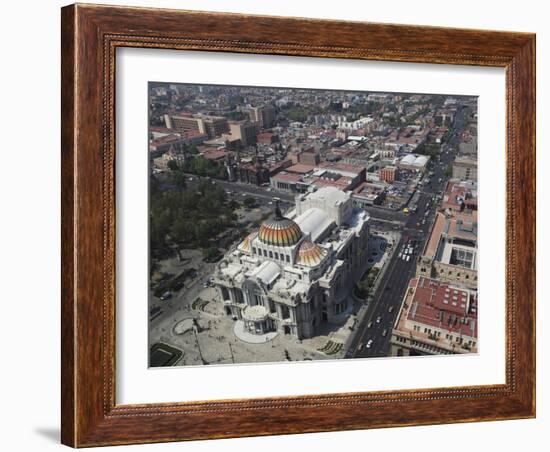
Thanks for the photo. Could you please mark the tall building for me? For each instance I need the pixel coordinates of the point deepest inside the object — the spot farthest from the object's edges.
(296, 272)
(245, 131)
(264, 116)
(435, 318)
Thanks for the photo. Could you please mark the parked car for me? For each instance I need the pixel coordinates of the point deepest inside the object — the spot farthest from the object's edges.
(369, 343)
(166, 295)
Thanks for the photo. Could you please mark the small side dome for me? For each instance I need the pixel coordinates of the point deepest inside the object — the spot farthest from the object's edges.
(310, 254)
(245, 245)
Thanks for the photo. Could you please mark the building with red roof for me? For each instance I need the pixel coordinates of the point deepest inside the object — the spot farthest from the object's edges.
(435, 318)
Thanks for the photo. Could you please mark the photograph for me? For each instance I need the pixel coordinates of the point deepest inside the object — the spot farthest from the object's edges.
(290, 224)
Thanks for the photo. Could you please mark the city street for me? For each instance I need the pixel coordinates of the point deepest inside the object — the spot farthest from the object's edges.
(384, 307)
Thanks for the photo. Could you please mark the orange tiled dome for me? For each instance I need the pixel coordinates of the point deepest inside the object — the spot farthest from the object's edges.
(280, 231)
(310, 254)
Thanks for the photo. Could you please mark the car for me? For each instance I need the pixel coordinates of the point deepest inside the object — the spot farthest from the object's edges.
(166, 295)
(390, 309)
(369, 324)
(369, 343)
(378, 319)
(360, 347)
(408, 258)
(385, 332)
(206, 284)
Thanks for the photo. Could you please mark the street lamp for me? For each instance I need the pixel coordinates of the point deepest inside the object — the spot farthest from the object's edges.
(197, 342)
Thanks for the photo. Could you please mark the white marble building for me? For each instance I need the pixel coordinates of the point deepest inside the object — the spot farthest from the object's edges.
(297, 271)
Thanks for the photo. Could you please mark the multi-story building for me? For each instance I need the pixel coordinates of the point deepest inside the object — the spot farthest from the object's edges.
(435, 318)
(368, 194)
(213, 126)
(450, 253)
(460, 196)
(388, 174)
(252, 173)
(264, 116)
(295, 273)
(465, 168)
(309, 157)
(245, 131)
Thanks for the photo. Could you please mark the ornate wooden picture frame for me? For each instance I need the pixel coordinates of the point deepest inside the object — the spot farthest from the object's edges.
(90, 37)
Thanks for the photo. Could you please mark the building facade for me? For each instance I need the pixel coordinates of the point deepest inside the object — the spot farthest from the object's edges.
(264, 116)
(296, 271)
(245, 131)
(184, 123)
(388, 174)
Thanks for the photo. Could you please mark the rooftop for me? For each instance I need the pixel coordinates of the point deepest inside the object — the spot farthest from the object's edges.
(438, 304)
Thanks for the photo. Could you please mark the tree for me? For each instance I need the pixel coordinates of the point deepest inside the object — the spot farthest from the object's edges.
(234, 205)
(210, 254)
(249, 202)
(173, 165)
(177, 178)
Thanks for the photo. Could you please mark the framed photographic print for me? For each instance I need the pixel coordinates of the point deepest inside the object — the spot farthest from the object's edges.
(280, 225)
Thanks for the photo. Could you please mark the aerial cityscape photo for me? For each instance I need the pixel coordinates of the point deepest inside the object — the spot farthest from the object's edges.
(294, 224)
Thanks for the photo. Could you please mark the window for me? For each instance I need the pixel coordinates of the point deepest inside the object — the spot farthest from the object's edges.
(287, 258)
(276, 255)
(285, 312)
(271, 254)
(253, 250)
(265, 253)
